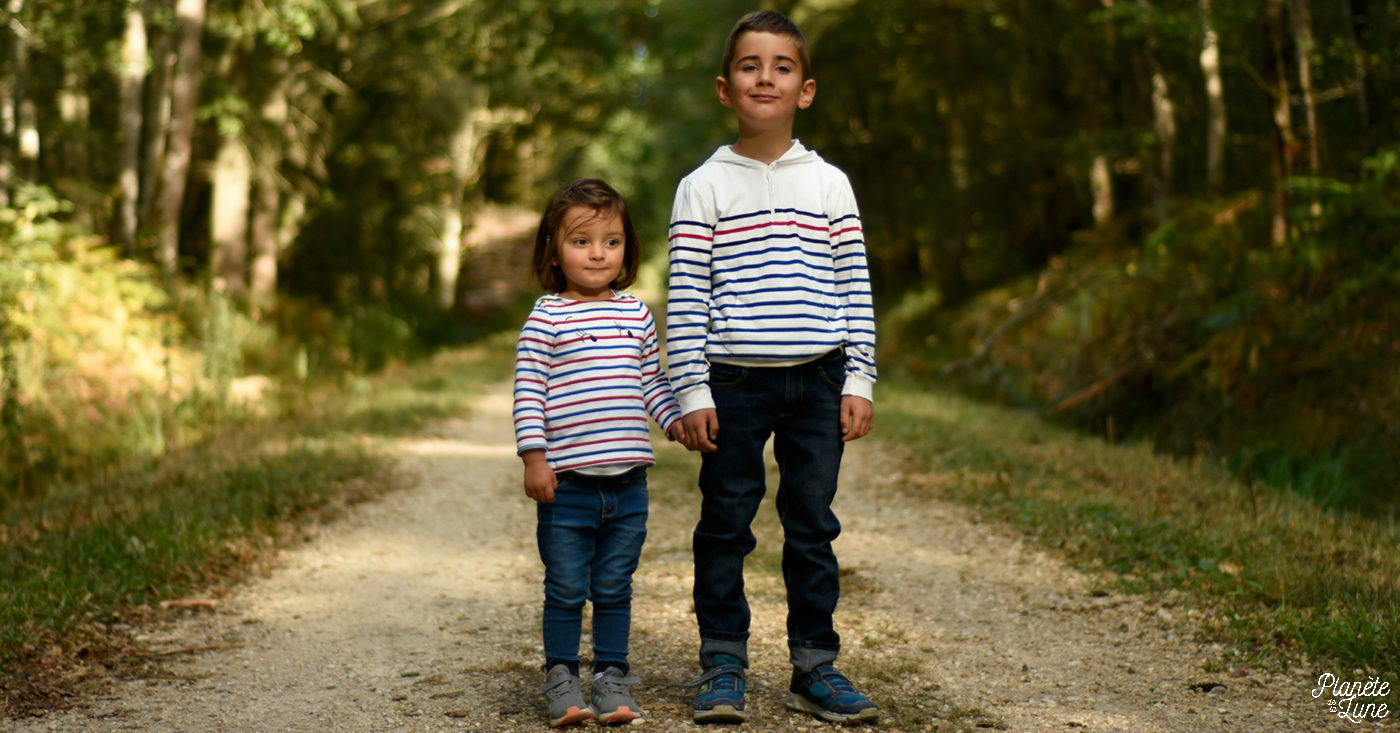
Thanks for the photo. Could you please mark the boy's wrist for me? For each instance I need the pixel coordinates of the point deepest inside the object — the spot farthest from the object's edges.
(696, 398)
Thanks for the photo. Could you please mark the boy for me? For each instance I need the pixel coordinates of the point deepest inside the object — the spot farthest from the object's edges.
(770, 331)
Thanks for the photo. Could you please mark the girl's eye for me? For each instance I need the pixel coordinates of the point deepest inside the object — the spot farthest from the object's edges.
(614, 242)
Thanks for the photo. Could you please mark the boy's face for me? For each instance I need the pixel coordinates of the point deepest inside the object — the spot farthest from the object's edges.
(765, 86)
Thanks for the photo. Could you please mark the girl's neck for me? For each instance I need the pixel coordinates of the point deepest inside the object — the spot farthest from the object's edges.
(575, 294)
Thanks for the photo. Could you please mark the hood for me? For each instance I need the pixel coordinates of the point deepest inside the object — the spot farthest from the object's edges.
(798, 153)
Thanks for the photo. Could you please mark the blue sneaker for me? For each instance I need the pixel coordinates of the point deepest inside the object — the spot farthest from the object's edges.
(827, 694)
(721, 696)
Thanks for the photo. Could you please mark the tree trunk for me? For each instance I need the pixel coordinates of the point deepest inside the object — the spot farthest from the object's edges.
(26, 131)
(1358, 59)
(9, 86)
(1301, 13)
(1215, 98)
(156, 118)
(462, 153)
(184, 96)
(133, 73)
(267, 195)
(1285, 144)
(228, 225)
(74, 109)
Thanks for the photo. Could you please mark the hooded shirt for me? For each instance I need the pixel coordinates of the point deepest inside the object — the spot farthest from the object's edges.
(767, 268)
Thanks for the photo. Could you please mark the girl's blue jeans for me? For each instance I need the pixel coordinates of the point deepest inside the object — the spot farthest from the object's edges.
(590, 540)
(799, 407)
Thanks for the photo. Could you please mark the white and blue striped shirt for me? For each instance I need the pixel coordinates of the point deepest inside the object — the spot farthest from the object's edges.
(767, 268)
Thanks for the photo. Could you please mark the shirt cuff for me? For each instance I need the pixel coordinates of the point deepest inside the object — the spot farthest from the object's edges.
(696, 398)
(859, 386)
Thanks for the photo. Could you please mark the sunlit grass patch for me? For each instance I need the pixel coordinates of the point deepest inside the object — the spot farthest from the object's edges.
(1286, 579)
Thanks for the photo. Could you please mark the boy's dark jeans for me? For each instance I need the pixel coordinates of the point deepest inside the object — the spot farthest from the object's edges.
(800, 407)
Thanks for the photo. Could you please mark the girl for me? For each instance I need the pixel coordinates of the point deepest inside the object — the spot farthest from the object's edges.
(587, 375)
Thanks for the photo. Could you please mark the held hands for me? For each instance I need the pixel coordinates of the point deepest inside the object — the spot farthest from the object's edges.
(540, 481)
(701, 430)
(677, 433)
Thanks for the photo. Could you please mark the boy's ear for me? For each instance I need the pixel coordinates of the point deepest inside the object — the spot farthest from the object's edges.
(808, 93)
(722, 89)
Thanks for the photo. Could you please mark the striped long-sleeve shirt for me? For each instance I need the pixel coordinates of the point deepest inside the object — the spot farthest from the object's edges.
(587, 376)
(767, 268)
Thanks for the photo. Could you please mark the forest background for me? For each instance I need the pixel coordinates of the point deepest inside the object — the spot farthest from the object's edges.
(1174, 221)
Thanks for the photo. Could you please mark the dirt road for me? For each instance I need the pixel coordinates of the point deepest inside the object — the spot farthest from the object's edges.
(420, 612)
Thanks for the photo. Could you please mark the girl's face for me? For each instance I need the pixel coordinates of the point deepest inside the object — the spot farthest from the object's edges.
(589, 249)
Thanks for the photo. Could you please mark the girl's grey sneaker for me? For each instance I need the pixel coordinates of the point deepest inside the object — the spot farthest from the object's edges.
(612, 698)
(827, 694)
(564, 696)
(721, 695)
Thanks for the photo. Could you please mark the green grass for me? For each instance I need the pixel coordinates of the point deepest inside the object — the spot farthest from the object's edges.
(90, 556)
(1284, 580)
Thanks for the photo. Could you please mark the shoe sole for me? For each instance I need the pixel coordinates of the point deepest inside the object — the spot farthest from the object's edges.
(575, 715)
(721, 714)
(619, 716)
(794, 701)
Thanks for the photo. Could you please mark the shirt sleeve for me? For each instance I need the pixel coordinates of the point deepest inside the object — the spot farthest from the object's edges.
(656, 389)
(533, 353)
(691, 240)
(853, 287)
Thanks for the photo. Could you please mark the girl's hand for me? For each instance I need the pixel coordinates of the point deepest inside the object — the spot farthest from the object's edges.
(677, 432)
(540, 481)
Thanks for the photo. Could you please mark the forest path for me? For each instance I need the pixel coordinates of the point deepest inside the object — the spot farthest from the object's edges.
(420, 612)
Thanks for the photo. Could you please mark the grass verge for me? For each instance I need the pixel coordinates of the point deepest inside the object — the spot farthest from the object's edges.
(78, 566)
(1283, 581)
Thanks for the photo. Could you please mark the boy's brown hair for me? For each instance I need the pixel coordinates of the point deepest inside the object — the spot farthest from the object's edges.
(594, 194)
(767, 21)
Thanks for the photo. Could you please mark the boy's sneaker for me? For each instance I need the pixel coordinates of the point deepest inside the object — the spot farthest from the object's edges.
(827, 694)
(612, 700)
(564, 695)
(721, 696)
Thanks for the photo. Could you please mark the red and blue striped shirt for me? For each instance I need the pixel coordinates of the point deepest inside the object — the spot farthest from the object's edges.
(587, 376)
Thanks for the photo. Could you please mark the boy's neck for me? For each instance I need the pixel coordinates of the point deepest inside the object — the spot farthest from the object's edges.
(765, 147)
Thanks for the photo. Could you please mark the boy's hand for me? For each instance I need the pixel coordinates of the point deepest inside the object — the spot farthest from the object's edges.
(857, 417)
(701, 430)
(540, 481)
(677, 433)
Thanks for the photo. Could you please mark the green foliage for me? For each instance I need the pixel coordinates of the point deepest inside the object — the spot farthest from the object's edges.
(101, 365)
(1280, 356)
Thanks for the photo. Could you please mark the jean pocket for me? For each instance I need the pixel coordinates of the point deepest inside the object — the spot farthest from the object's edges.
(833, 372)
(726, 375)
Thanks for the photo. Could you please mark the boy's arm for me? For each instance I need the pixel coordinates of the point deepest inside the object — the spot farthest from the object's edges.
(853, 286)
(691, 239)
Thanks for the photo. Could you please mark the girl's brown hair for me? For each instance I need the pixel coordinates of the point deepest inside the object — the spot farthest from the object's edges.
(602, 199)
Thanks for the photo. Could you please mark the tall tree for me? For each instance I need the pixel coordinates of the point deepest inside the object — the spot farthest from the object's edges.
(131, 75)
(1215, 99)
(179, 150)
